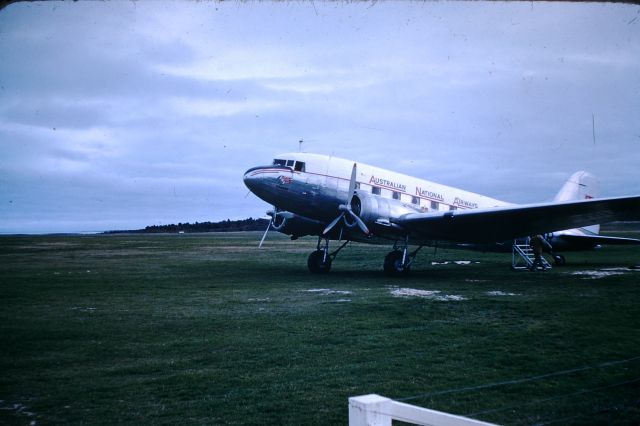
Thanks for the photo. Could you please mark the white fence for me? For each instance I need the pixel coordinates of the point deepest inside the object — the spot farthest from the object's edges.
(376, 410)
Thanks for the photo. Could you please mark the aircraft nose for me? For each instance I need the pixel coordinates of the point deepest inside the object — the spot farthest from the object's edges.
(251, 177)
(248, 178)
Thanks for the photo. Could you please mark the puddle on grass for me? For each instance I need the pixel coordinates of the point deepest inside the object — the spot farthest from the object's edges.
(327, 291)
(17, 408)
(425, 294)
(501, 293)
(602, 273)
(83, 309)
(623, 269)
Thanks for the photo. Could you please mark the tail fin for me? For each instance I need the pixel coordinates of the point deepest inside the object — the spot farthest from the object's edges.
(580, 186)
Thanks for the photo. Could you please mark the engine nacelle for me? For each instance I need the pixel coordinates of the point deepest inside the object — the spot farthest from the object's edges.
(377, 209)
(296, 225)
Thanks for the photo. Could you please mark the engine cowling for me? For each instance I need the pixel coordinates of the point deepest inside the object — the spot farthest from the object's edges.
(376, 209)
(296, 225)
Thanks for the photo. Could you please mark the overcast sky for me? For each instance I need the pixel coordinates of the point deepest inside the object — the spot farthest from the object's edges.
(118, 115)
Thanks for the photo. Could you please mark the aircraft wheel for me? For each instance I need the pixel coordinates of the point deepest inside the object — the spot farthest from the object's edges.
(393, 264)
(559, 260)
(316, 263)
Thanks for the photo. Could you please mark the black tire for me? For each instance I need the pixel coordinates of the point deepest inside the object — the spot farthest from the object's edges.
(316, 264)
(559, 260)
(393, 264)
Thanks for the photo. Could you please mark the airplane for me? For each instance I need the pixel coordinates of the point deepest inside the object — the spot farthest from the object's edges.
(339, 199)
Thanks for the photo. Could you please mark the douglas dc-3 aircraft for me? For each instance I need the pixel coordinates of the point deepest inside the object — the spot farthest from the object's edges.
(337, 199)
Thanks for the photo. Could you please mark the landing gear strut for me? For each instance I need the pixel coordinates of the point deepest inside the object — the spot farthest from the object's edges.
(319, 261)
(398, 261)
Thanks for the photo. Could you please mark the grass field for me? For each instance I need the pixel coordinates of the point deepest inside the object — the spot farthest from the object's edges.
(207, 329)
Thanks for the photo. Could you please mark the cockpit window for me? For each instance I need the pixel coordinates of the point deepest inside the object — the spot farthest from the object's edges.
(297, 165)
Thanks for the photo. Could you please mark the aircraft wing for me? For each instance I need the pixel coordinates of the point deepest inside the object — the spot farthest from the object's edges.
(506, 223)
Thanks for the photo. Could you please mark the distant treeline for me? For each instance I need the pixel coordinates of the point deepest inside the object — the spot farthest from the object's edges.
(261, 224)
(223, 226)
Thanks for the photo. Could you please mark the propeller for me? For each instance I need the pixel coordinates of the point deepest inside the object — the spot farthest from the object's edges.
(273, 223)
(266, 230)
(346, 208)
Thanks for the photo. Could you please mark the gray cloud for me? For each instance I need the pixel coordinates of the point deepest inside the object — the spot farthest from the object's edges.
(120, 114)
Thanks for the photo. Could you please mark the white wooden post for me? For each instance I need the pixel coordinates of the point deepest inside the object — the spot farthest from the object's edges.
(366, 410)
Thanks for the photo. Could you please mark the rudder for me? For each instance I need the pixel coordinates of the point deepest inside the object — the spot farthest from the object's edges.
(580, 186)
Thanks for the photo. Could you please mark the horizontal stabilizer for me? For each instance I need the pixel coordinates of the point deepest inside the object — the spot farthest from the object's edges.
(598, 239)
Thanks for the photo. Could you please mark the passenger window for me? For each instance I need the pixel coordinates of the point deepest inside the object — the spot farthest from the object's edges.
(396, 195)
(434, 205)
(375, 190)
(278, 162)
(357, 185)
(299, 166)
(453, 208)
(415, 200)
(290, 163)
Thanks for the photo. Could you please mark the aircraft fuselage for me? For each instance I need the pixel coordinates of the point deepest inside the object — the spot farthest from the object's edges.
(334, 198)
(314, 186)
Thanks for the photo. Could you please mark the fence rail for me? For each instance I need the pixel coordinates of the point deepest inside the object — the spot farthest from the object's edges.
(376, 410)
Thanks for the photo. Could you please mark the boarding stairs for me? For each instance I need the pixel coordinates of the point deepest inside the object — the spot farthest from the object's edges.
(522, 256)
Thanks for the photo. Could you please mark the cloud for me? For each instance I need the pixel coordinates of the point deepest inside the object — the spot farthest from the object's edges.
(218, 108)
(245, 64)
(160, 108)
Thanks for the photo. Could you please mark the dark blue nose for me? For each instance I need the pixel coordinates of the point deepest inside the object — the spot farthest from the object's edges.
(256, 174)
(250, 177)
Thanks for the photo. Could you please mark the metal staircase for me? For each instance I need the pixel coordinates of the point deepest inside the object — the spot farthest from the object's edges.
(522, 256)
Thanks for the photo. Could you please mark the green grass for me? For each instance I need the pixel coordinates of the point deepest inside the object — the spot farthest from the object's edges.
(207, 329)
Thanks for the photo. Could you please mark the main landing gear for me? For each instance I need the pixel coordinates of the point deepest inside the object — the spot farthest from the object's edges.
(319, 261)
(398, 261)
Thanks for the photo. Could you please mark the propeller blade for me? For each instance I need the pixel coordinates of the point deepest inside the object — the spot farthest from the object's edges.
(265, 234)
(360, 223)
(352, 183)
(346, 208)
(332, 224)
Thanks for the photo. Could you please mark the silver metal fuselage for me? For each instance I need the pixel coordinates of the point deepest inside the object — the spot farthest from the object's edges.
(314, 186)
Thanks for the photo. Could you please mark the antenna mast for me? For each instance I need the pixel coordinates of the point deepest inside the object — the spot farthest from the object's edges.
(300, 145)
